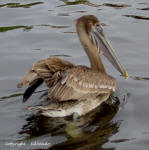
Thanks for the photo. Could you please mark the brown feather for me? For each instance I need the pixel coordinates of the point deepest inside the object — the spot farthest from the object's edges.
(29, 78)
(49, 69)
(80, 83)
(85, 87)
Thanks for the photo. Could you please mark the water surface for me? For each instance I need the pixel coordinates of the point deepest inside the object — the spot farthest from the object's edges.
(31, 30)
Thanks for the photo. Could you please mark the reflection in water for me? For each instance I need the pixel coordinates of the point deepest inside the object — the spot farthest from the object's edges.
(28, 28)
(25, 28)
(122, 140)
(146, 8)
(144, 3)
(63, 14)
(116, 6)
(140, 78)
(137, 17)
(70, 32)
(61, 55)
(17, 5)
(54, 26)
(89, 131)
(81, 11)
(77, 2)
(18, 94)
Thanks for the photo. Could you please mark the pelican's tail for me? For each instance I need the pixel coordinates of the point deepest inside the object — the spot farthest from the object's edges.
(48, 70)
(30, 90)
(33, 80)
(29, 78)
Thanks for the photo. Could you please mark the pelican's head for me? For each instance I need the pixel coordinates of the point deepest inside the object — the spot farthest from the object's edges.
(93, 30)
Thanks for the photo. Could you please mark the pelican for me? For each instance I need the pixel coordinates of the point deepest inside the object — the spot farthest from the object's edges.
(75, 88)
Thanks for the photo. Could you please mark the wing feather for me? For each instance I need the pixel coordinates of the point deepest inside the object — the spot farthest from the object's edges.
(50, 69)
(81, 82)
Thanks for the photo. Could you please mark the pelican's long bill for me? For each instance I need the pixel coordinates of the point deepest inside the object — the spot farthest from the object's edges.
(104, 46)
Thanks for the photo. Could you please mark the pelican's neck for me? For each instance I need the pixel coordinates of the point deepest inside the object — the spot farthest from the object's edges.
(91, 50)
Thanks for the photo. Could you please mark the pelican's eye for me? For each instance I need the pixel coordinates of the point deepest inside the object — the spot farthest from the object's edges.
(98, 27)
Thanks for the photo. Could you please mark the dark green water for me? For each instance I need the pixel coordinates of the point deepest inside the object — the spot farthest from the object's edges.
(31, 30)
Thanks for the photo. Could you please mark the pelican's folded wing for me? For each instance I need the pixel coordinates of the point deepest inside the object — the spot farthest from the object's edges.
(49, 69)
(80, 83)
(46, 70)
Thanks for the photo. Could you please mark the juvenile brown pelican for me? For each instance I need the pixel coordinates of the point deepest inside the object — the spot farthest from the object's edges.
(74, 88)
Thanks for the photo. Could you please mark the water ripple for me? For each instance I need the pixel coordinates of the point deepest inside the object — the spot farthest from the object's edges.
(77, 2)
(137, 17)
(146, 8)
(25, 28)
(17, 5)
(116, 6)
